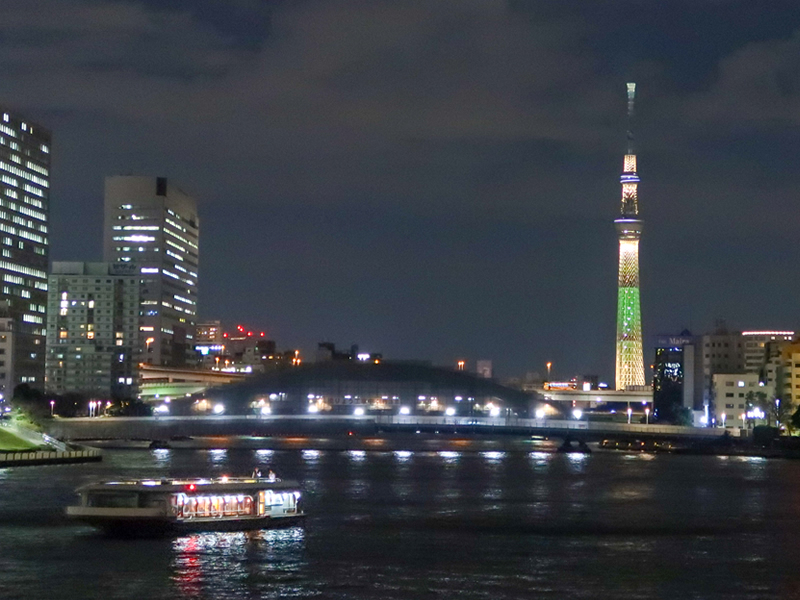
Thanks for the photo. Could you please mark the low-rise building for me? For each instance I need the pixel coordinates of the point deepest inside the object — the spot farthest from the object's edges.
(732, 391)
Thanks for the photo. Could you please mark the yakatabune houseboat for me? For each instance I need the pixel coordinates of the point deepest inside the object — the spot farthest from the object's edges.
(158, 506)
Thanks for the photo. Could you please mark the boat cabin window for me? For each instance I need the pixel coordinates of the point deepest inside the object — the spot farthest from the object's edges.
(113, 499)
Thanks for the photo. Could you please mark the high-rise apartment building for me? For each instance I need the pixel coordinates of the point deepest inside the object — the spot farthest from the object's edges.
(24, 210)
(756, 353)
(788, 387)
(152, 225)
(93, 329)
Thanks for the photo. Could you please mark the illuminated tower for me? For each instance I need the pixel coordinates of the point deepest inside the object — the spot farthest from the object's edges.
(630, 361)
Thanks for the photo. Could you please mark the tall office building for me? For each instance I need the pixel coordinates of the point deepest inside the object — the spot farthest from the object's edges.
(93, 329)
(630, 359)
(674, 372)
(24, 209)
(153, 225)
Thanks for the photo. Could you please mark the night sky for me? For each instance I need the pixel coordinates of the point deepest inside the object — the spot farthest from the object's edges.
(435, 179)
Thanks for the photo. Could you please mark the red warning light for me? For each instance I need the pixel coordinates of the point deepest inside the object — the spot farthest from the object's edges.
(262, 334)
(192, 487)
(249, 334)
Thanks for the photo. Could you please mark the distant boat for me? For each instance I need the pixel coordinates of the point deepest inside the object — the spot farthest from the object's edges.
(168, 506)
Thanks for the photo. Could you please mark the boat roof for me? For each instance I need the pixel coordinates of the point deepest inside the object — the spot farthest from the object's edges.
(231, 485)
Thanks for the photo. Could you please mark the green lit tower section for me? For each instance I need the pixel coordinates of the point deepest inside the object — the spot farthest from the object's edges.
(630, 360)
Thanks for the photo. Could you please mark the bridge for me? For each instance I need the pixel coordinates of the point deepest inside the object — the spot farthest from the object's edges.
(166, 427)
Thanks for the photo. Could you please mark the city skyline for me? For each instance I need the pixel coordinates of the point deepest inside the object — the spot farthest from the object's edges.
(440, 182)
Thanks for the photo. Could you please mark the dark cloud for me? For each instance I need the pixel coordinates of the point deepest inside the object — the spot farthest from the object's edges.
(434, 179)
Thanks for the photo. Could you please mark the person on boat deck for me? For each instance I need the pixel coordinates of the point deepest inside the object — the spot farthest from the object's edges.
(256, 473)
(271, 475)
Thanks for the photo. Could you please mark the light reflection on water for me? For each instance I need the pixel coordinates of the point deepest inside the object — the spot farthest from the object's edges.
(264, 454)
(239, 563)
(570, 526)
(403, 456)
(578, 459)
(449, 457)
(162, 456)
(639, 456)
(218, 455)
(357, 455)
(311, 456)
(493, 456)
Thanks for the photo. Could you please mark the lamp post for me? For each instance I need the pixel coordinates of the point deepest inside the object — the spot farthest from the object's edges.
(52, 407)
(647, 416)
(630, 412)
(723, 416)
(147, 343)
(549, 364)
(744, 421)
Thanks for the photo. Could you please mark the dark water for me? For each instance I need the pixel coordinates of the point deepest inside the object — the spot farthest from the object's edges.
(430, 525)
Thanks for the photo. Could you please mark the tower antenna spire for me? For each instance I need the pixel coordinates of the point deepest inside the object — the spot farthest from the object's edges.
(631, 102)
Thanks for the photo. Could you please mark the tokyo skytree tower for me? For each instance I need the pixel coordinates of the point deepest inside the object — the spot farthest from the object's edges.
(630, 361)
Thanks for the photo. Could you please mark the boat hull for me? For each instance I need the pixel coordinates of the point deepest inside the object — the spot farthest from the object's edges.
(152, 526)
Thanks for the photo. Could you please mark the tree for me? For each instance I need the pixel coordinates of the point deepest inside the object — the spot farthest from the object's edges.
(782, 410)
(795, 420)
(31, 401)
(130, 407)
(760, 401)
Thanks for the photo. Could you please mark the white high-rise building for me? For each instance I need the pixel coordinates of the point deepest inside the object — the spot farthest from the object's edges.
(153, 225)
(24, 209)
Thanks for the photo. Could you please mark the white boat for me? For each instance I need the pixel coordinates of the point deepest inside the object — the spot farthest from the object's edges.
(163, 506)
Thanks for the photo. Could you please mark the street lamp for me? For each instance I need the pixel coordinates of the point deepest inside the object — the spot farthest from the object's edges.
(549, 364)
(744, 422)
(723, 416)
(52, 407)
(630, 412)
(647, 416)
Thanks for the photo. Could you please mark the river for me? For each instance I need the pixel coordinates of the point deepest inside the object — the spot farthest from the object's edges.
(450, 524)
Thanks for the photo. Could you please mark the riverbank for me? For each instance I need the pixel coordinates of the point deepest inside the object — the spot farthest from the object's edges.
(21, 447)
(10, 442)
(29, 459)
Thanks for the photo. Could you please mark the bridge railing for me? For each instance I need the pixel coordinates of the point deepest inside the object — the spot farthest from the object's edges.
(552, 424)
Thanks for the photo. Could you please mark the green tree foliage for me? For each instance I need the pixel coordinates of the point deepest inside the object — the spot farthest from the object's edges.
(31, 401)
(130, 407)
